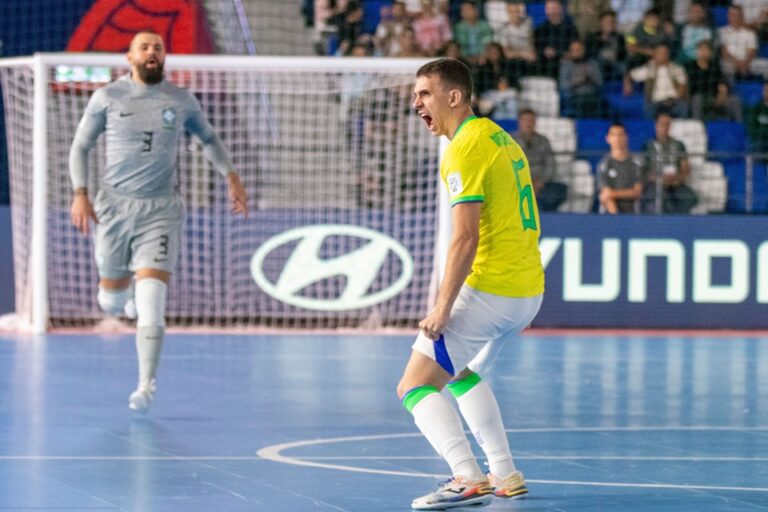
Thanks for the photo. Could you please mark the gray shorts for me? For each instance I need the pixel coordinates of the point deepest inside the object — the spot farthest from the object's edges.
(136, 233)
(479, 326)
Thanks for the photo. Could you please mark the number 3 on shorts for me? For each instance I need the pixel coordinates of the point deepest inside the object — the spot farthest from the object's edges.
(162, 254)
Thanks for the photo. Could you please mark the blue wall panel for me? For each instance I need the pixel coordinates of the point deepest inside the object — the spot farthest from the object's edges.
(720, 280)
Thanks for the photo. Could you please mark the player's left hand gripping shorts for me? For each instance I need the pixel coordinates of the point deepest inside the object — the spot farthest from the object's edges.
(479, 325)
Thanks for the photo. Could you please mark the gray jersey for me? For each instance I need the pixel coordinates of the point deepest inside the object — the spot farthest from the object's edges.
(144, 125)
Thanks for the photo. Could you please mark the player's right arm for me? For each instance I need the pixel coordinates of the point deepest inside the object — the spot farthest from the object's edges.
(91, 126)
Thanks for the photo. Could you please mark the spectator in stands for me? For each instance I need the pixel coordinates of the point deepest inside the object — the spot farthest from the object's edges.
(738, 45)
(709, 90)
(499, 103)
(666, 171)
(349, 25)
(432, 29)
(493, 66)
(472, 33)
(608, 48)
(645, 37)
(552, 39)
(453, 50)
(666, 84)
(387, 36)
(620, 178)
(516, 37)
(757, 126)
(630, 13)
(409, 48)
(541, 160)
(586, 15)
(581, 83)
(695, 30)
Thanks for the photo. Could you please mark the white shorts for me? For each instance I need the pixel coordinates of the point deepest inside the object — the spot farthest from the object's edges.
(136, 233)
(479, 326)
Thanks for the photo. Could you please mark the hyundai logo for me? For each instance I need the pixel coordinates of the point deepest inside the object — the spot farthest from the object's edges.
(305, 266)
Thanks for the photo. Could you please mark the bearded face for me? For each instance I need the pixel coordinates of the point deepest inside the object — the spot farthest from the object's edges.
(151, 72)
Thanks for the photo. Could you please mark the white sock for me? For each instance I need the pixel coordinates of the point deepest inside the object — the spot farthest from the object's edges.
(150, 331)
(441, 425)
(480, 410)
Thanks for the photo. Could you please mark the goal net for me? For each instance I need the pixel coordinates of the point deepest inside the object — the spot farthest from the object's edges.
(341, 176)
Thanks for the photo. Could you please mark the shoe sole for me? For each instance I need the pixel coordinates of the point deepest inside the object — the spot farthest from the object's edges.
(517, 495)
(479, 501)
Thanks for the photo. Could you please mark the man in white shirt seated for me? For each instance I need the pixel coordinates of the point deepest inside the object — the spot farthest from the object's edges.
(666, 84)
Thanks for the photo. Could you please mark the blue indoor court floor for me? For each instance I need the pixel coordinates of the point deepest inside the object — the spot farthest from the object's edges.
(300, 423)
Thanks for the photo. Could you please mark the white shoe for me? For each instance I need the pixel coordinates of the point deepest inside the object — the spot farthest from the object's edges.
(456, 492)
(142, 398)
(513, 486)
(129, 310)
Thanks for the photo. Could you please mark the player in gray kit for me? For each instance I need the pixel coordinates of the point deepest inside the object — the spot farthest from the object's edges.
(138, 211)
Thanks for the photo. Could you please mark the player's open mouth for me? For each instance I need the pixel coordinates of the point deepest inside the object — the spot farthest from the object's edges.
(151, 62)
(428, 120)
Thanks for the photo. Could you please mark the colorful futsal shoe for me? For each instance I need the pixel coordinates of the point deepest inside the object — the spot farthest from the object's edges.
(511, 487)
(141, 399)
(456, 492)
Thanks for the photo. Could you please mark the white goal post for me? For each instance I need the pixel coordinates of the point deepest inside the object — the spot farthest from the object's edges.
(341, 174)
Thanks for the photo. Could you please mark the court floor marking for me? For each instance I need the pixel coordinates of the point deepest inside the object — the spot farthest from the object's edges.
(274, 453)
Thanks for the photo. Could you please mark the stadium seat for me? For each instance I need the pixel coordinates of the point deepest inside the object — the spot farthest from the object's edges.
(694, 135)
(538, 84)
(709, 182)
(719, 15)
(372, 14)
(535, 11)
(581, 188)
(577, 174)
(561, 133)
(544, 103)
(627, 107)
(750, 92)
(724, 137)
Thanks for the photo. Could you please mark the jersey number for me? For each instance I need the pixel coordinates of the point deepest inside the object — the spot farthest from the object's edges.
(147, 147)
(526, 197)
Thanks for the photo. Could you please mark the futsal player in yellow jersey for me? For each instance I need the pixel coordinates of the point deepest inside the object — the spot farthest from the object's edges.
(492, 289)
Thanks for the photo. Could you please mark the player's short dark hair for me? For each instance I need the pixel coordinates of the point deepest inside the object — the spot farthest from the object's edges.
(452, 72)
(526, 111)
(617, 124)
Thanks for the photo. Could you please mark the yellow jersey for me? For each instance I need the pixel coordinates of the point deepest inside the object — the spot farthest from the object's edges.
(484, 164)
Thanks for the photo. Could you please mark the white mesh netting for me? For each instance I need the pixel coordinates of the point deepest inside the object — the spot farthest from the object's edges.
(336, 165)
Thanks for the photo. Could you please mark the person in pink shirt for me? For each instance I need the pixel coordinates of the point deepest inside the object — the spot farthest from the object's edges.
(432, 28)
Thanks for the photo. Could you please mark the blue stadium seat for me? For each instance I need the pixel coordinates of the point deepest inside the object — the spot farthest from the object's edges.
(734, 173)
(750, 92)
(763, 50)
(719, 15)
(535, 11)
(372, 14)
(509, 125)
(726, 137)
(760, 189)
(627, 107)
